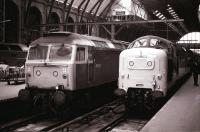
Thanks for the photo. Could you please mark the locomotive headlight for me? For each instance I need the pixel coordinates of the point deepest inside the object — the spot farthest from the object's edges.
(131, 63)
(55, 73)
(149, 63)
(64, 76)
(57, 87)
(28, 74)
(159, 76)
(38, 72)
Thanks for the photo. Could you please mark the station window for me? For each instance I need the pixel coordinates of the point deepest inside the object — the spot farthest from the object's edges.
(80, 54)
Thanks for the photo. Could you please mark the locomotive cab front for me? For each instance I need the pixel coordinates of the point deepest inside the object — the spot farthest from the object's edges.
(49, 62)
(46, 62)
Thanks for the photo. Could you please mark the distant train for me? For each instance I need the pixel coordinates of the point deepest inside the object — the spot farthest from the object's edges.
(63, 66)
(148, 69)
(12, 60)
(13, 54)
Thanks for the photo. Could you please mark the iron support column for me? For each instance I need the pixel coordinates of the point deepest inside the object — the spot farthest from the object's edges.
(112, 31)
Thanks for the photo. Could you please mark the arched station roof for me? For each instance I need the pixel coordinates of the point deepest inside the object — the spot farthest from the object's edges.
(96, 7)
(193, 37)
(191, 41)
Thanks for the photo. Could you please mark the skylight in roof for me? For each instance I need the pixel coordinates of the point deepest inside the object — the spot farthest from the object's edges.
(126, 4)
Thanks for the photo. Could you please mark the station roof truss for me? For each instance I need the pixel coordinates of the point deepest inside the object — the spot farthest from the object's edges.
(161, 16)
(115, 22)
(98, 12)
(91, 8)
(176, 9)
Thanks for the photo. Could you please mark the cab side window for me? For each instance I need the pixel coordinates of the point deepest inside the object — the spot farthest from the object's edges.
(80, 54)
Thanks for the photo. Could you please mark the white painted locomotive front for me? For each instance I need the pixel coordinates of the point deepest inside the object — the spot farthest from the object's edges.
(143, 68)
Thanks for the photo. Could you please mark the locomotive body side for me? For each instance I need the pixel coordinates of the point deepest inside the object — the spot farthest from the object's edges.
(99, 69)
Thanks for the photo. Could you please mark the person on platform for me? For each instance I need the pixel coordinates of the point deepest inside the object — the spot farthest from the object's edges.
(195, 71)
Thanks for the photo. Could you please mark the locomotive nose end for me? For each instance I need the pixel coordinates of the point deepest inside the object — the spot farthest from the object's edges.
(24, 95)
(120, 92)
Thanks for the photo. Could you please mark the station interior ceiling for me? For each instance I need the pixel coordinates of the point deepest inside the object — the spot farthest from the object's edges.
(187, 10)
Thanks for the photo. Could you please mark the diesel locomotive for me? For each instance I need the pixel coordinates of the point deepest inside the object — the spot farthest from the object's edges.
(148, 69)
(63, 66)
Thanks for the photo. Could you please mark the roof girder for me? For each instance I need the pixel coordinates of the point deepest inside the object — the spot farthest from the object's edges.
(69, 10)
(50, 10)
(84, 10)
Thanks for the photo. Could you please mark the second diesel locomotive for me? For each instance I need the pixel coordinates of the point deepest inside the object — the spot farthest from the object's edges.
(148, 69)
(62, 66)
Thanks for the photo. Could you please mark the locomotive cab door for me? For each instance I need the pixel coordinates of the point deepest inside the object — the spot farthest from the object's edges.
(90, 65)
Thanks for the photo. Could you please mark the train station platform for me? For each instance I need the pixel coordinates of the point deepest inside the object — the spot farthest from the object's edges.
(180, 114)
(9, 91)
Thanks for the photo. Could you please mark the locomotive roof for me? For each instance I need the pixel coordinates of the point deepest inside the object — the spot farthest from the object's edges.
(152, 36)
(71, 38)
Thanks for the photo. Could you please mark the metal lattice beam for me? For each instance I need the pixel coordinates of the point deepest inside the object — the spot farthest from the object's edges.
(162, 17)
(79, 7)
(65, 4)
(86, 5)
(100, 3)
(115, 22)
(94, 6)
(107, 8)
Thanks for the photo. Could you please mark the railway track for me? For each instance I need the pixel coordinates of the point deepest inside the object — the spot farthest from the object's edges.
(128, 125)
(20, 122)
(93, 120)
(109, 117)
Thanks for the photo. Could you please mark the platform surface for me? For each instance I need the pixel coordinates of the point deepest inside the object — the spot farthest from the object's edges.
(9, 91)
(180, 114)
